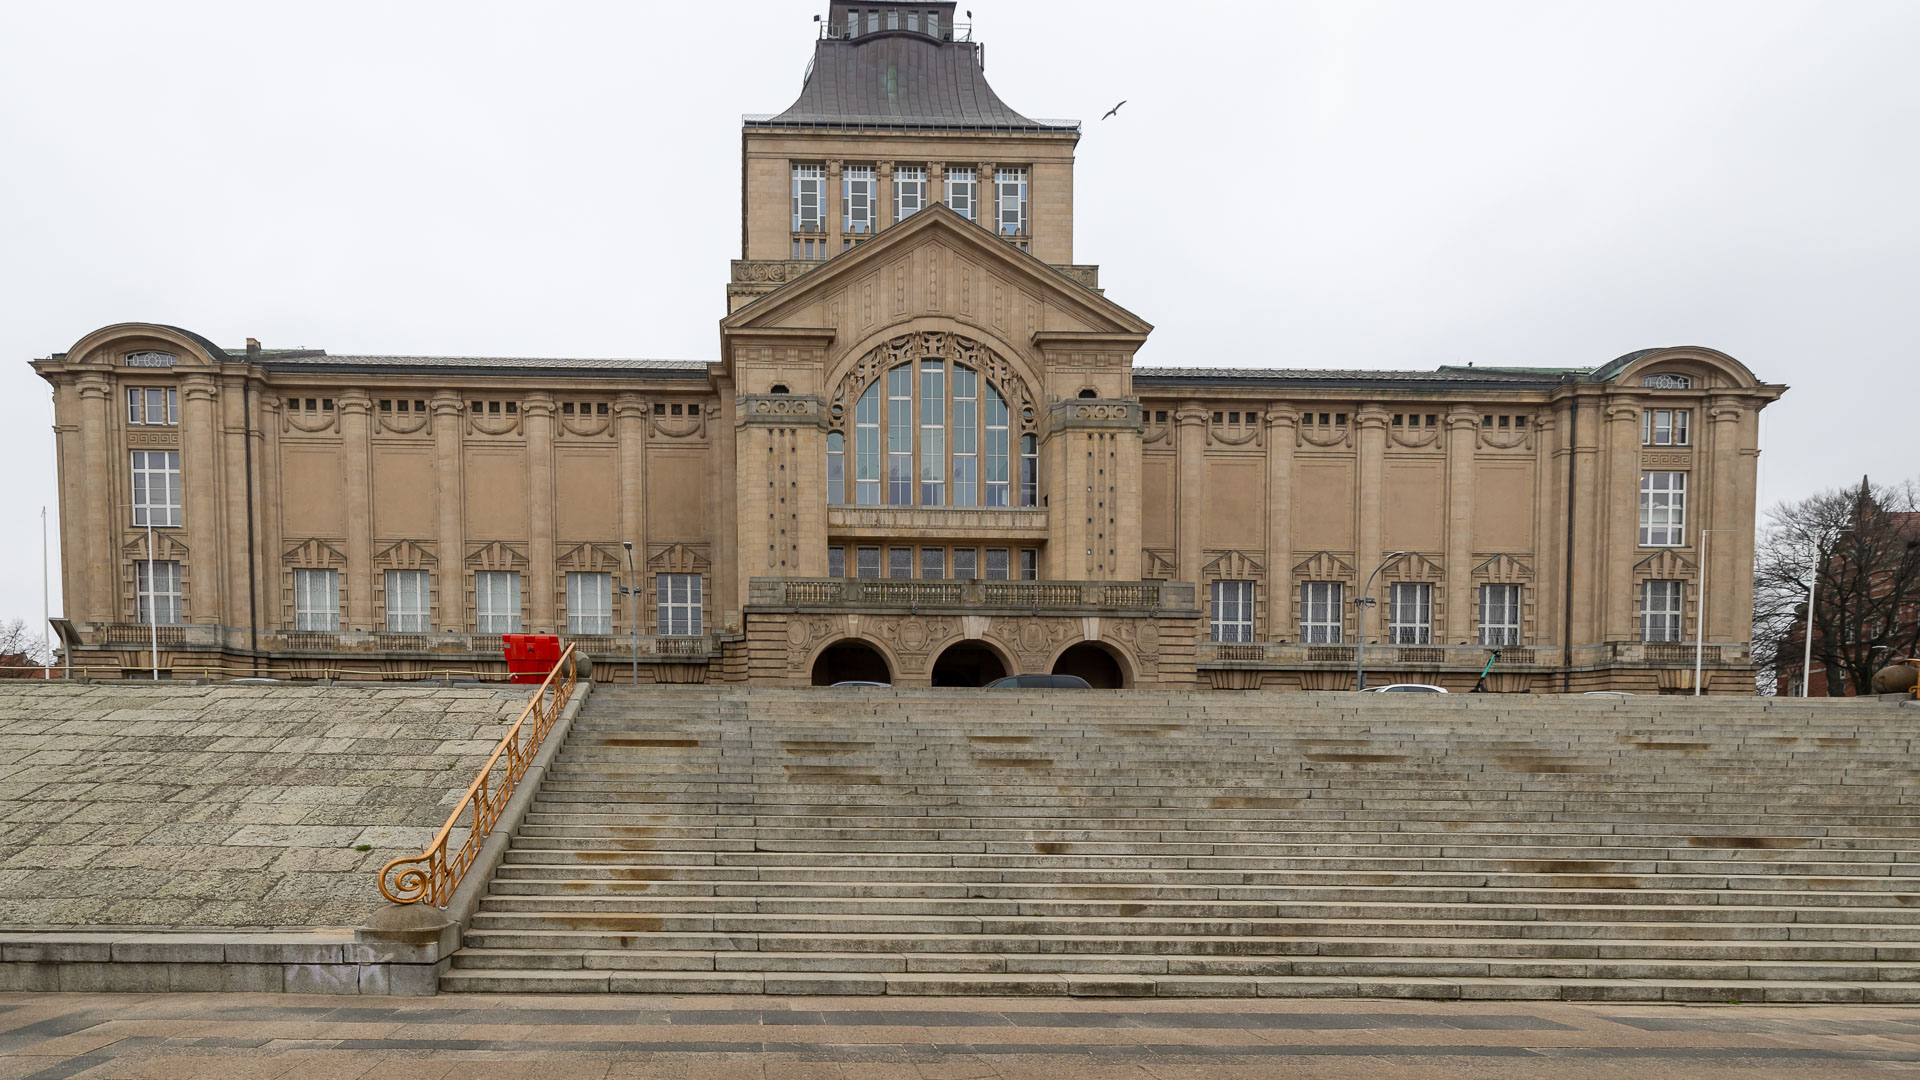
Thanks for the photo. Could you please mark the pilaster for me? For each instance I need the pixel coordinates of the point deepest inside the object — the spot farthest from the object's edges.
(449, 423)
(883, 194)
(1370, 458)
(204, 524)
(1282, 427)
(1622, 537)
(836, 207)
(536, 418)
(1722, 504)
(1191, 488)
(356, 410)
(101, 575)
(1463, 440)
(630, 420)
(236, 427)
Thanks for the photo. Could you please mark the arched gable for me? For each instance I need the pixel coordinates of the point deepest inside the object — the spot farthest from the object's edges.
(107, 345)
(1710, 368)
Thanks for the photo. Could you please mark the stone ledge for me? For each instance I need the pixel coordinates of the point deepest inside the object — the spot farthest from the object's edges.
(321, 962)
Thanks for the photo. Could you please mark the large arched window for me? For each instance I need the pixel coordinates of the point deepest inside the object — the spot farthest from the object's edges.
(932, 432)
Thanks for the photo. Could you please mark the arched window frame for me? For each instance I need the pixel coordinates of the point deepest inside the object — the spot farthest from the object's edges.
(948, 434)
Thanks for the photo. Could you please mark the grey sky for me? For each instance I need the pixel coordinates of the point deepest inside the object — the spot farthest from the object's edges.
(1368, 185)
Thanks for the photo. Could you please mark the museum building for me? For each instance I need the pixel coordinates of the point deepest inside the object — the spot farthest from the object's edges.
(923, 455)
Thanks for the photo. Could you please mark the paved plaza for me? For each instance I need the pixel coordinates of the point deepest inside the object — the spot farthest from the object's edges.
(49, 1036)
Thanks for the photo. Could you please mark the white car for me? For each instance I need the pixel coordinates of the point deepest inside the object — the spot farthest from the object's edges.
(1406, 688)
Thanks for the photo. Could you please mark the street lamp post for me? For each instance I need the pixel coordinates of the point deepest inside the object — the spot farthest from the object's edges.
(1700, 619)
(633, 610)
(1806, 631)
(1365, 602)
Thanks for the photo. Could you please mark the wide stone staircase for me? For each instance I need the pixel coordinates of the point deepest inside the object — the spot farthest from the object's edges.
(710, 840)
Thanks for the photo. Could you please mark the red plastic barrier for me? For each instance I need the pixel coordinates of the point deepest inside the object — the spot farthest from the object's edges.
(530, 656)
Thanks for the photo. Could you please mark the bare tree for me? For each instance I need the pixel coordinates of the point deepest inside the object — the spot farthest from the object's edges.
(22, 655)
(1864, 543)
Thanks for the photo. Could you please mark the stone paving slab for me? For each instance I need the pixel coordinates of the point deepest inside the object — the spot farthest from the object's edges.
(708, 1038)
(225, 807)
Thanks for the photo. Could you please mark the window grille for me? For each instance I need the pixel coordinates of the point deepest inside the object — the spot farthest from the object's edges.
(869, 562)
(1499, 615)
(997, 564)
(900, 562)
(933, 432)
(496, 602)
(1322, 617)
(1232, 611)
(316, 600)
(966, 563)
(679, 604)
(156, 488)
(157, 593)
(589, 603)
(1663, 509)
(966, 437)
(1661, 613)
(1667, 382)
(407, 602)
(933, 563)
(836, 562)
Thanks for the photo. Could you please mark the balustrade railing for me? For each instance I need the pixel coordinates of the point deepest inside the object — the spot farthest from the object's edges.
(1088, 596)
(432, 876)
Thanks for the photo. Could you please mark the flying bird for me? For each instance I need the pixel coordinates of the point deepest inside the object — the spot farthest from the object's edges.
(1115, 109)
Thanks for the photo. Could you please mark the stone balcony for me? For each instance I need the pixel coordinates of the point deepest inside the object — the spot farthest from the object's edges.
(1075, 598)
(971, 523)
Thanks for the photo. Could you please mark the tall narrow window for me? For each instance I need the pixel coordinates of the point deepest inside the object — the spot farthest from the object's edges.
(589, 603)
(1663, 509)
(853, 24)
(966, 437)
(836, 562)
(149, 406)
(868, 560)
(316, 599)
(873, 21)
(966, 564)
(496, 602)
(996, 464)
(1029, 471)
(156, 488)
(933, 23)
(1322, 614)
(1231, 611)
(157, 592)
(407, 602)
(1010, 186)
(909, 191)
(1410, 613)
(900, 562)
(836, 468)
(866, 447)
(679, 609)
(1661, 613)
(1665, 427)
(999, 565)
(900, 436)
(856, 189)
(809, 199)
(933, 432)
(961, 192)
(1029, 564)
(1499, 615)
(933, 563)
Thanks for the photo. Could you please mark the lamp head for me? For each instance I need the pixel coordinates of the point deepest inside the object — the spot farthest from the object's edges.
(628, 544)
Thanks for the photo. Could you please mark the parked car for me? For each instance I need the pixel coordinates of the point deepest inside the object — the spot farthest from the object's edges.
(1607, 693)
(862, 682)
(1040, 682)
(1406, 688)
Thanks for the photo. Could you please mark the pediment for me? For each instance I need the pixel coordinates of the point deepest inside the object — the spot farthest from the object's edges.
(935, 263)
(165, 546)
(1413, 567)
(1665, 563)
(1234, 565)
(592, 558)
(313, 554)
(1503, 568)
(1157, 565)
(496, 555)
(405, 555)
(678, 559)
(1324, 566)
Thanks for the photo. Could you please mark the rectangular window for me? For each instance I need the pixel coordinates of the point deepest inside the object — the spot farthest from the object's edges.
(966, 564)
(998, 565)
(1029, 564)
(809, 199)
(1499, 615)
(679, 611)
(1231, 611)
(1660, 610)
(961, 190)
(157, 592)
(856, 188)
(900, 562)
(836, 562)
(996, 469)
(836, 468)
(156, 488)
(1010, 188)
(909, 191)
(1410, 614)
(407, 602)
(966, 437)
(1029, 471)
(900, 436)
(1665, 427)
(589, 603)
(869, 562)
(933, 563)
(933, 432)
(853, 24)
(496, 602)
(866, 450)
(1322, 613)
(153, 405)
(316, 599)
(1663, 509)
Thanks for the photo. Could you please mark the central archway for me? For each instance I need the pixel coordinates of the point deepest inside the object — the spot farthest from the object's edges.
(850, 660)
(968, 663)
(1093, 663)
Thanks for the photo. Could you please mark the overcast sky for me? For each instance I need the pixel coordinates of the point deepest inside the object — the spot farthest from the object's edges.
(1334, 183)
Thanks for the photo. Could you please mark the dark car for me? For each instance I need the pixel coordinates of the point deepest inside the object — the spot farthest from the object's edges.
(1040, 682)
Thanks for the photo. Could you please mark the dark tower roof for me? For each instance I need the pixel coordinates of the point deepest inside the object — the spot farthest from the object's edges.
(899, 65)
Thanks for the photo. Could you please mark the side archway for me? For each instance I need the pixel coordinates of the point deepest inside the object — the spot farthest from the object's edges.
(1098, 663)
(969, 662)
(850, 660)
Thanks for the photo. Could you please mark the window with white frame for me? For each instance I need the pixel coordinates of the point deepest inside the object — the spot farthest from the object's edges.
(867, 561)
(836, 562)
(589, 603)
(856, 192)
(909, 191)
(316, 599)
(1665, 427)
(809, 199)
(962, 192)
(1322, 615)
(149, 406)
(1231, 611)
(1663, 509)
(900, 435)
(1499, 615)
(942, 434)
(1410, 613)
(679, 612)
(496, 601)
(1661, 611)
(408, 610)
(156, 587)
(933, 432)
(156, 488)
(1010, 191)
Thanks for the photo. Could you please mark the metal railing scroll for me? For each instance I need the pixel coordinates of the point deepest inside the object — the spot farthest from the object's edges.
(431, 876)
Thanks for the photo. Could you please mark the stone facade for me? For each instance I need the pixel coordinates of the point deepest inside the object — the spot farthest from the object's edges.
(1257, 494)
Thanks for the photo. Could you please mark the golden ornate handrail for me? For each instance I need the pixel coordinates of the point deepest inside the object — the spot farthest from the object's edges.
(431, 876)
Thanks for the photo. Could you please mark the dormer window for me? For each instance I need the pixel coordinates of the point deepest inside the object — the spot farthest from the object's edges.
(1667, 382)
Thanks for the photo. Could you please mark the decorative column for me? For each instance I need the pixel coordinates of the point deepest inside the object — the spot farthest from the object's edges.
(536, 418)
(1191, 488)
(1282, 433)
(1370, 461)
(836, 207)
(235, 425)
(883, 194)
(356, 414)
(450, 534)
(936, 183)
(1463, 440)
(986, 201)
(1722, 500)
(1620, 544)
(200, 476)
(267, 496)
(630, 422)
(103, 517)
